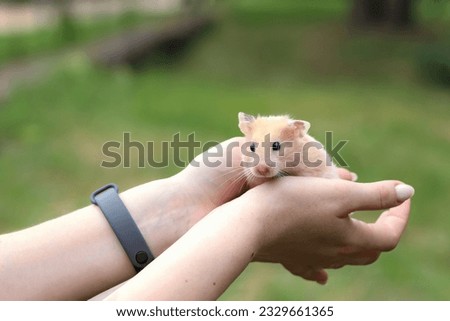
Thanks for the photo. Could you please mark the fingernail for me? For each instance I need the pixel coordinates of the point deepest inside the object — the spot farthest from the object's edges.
(404, 192)
(353, 176)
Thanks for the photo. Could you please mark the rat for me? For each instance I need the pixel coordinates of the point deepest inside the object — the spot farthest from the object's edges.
(277, 146)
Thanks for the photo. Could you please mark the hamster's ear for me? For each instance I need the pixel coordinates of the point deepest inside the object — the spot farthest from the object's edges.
(245, 122)
(301, 127)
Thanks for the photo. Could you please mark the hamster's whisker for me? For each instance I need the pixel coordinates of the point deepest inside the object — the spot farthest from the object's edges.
(282, 173)
(233, 179)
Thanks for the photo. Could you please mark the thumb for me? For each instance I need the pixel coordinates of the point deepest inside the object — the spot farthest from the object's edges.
(378, 195)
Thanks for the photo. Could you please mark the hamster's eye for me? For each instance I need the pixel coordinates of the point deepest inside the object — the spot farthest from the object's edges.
(276, 146)
(252, 147)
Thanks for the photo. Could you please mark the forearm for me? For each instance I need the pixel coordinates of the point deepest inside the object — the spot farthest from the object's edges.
(77, 256)
(203, 263)
(68, 258)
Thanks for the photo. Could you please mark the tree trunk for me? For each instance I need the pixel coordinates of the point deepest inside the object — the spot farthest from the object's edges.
(402, 13)
(66, 25)
(382, 13)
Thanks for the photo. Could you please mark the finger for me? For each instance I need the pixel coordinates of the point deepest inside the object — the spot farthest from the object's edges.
(363, 257)
(385, 233)
(392, 223)
(346, 174)
(318, 275)
(378, 195)
(321, 276)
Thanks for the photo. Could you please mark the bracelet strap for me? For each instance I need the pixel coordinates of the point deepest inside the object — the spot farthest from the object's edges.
(123, 225)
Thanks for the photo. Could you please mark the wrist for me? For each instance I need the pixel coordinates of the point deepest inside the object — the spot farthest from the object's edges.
(163, 210)
(146, 205)
(262, 220)
(241, 216)
(207, 259)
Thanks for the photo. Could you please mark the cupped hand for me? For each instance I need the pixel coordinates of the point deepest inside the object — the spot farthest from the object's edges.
(307, 227)
(214, 177)
(166, 209)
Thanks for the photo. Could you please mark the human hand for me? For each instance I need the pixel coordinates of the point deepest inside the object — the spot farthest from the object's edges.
(166, 209)
(305, 223)
(300, 222)
(216, 176)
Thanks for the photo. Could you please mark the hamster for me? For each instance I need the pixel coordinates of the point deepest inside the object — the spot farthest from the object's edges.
(278, 146)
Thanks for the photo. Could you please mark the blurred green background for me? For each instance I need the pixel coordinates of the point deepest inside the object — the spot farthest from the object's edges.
(382, 85)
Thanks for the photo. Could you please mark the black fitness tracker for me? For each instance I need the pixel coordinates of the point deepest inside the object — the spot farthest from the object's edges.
(123, 225)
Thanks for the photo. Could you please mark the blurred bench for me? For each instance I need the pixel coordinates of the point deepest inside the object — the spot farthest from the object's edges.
(137, 46)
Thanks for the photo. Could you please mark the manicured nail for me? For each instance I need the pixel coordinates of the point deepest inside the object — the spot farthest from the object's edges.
(353, 176)
(404, 192)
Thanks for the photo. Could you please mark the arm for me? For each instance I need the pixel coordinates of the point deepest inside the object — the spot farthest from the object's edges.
(200, 265)
(77, 256)
(304, 225)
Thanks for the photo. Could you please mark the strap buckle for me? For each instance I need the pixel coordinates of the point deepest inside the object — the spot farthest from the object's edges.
(101, 190)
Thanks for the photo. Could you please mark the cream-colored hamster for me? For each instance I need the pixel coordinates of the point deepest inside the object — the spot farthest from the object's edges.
(279, 146)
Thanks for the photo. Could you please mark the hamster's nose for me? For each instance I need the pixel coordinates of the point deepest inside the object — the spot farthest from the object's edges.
(262, 170)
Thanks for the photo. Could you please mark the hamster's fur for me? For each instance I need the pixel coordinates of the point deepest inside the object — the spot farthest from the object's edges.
(279, 146)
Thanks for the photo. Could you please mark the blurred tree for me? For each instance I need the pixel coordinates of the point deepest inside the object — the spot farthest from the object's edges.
(390, 13)
(67, 29)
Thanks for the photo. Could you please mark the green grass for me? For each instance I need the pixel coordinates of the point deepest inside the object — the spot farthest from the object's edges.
(51, 134)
